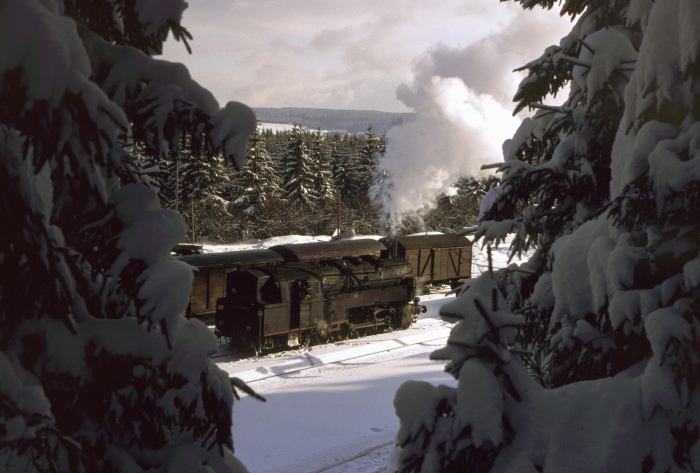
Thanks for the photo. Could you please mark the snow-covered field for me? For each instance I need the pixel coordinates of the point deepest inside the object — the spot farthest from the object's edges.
(330, 408)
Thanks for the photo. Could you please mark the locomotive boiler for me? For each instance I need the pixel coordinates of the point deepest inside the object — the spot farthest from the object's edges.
(319, 292)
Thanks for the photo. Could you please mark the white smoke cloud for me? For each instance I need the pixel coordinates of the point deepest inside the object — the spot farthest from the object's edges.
(462, 99)
(455, 131)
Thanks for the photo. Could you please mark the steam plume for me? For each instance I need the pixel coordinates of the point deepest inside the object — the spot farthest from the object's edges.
(462, 100)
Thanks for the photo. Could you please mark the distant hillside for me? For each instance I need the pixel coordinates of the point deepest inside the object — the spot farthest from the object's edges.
(352, 121)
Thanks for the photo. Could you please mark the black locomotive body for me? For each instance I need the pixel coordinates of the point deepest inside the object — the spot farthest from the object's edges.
(436, 259)
(321, 291)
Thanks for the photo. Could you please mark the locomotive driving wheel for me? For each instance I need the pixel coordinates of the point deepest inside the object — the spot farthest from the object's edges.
(238, 344)
(348, 330)
(321, 337)
(304, 339)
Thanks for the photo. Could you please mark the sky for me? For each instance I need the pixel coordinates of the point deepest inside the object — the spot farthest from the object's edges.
(350, 54)
(451, 62)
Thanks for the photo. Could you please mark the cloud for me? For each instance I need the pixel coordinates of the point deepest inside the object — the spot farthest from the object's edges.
(272, 53)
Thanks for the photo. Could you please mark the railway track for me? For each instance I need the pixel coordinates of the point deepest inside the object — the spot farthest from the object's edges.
(365, 453)
(331, 463)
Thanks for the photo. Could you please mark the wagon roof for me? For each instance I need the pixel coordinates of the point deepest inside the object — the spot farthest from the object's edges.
(232, 259)
(329, 249)
(443, 240)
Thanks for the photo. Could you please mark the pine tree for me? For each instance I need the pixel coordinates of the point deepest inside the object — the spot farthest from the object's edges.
(202, 180)
(98, 370)
(601, 326)
(557, 167)
(323, 189)
(275, 142)
(455, 212)
(193, 185)
(364, 163)
(341, 167)
(296, 174)
(477, 187)
(257, 181)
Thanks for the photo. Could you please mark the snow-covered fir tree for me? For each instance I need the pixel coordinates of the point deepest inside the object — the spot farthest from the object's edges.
(368, 151)
(477, 187)
(193, 184)
(586, 358)
(323, 188)
(460, 208)
(98, 369)
(297, 174)
(186, 177)
(257, 181)
(341, 167)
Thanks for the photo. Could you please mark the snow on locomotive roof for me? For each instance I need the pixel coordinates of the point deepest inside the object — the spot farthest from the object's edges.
(440, 240)
(329, 250)
(233, 258)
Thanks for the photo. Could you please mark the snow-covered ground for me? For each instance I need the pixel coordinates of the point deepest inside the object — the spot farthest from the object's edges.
(330, 408)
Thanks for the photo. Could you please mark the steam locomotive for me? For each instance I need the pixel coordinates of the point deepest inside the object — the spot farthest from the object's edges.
(300, 294)
(436, 259)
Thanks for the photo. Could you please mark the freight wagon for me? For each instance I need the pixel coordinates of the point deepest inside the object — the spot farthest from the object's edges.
(437, 259)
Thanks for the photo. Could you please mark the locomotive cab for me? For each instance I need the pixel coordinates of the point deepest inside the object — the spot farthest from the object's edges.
(266, 309)
(240, 314)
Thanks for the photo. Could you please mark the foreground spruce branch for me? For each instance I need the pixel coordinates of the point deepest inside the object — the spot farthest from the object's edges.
(98, 371)
(586, 358)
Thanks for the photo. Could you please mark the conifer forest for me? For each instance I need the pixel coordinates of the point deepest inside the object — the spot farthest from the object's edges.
(296, 181)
